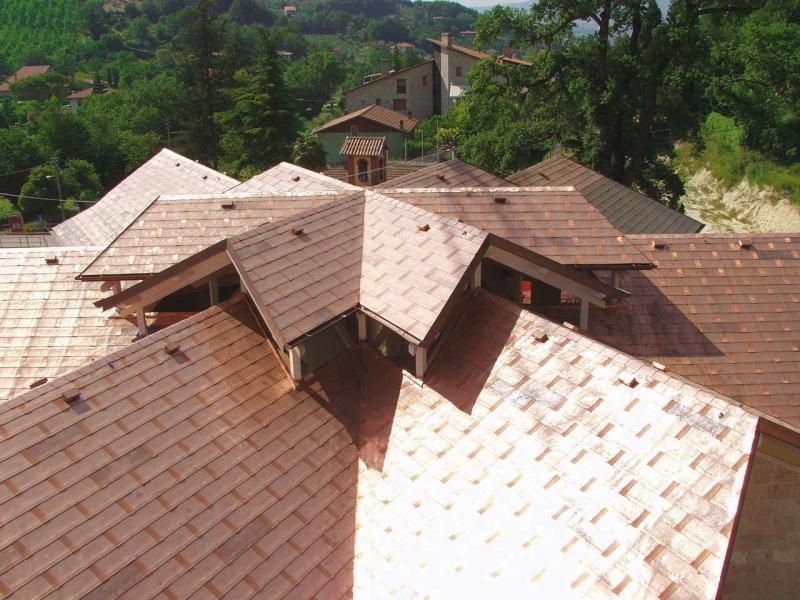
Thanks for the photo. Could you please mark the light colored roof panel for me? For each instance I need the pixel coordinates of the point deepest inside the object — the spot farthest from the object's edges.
(48, 324)
(627, 209)
(452, 173)
(174, 228)
(287, 177)
(165, 173)
(379, 114)
(556, 222)
(363, 146)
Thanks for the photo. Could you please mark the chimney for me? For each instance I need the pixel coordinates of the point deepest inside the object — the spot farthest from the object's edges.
(508, 51)
(384, 67)
(447, 39)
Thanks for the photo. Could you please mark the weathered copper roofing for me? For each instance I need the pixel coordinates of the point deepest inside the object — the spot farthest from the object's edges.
(173, 228)
(48, 324)
(165, 173)
(522, 468)
(452, 173)
(379, 114)
(556, 222)
(286, 177)
(722, 315)
(627, 209)
(363, 146)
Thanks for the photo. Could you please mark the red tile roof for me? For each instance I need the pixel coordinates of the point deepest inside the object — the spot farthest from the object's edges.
(522, 468)
(165, 173)
(627, 209)
(23, 73)
(48, 324)
(478, 53)
(379, 114)
(721, 315)
(363, 146)
(556, 222)
(451, 173)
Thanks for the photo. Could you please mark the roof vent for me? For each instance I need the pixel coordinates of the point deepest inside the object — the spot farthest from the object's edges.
(51, 260)
(297, 230)
(228, 205)
(296, 178)
(425, 227)
(71, 393)
(38, 382)
(570, 326)
(177, 164)
(745, 244)
(540, 336)
(499, 200)
(205, 177)
(172, 347)
(441, 177)
(658, 244)
(628, 379)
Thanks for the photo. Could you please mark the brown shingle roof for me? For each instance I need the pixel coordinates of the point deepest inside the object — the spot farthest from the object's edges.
(378, 114)
(173, 228)
(721, 315)
(363, 146)
(286, 177)
(48, 324)
(556, 222)
(23, 73)
(451, 173)
(627, 209)
(522, 469)
(165, 173)
(478, 53)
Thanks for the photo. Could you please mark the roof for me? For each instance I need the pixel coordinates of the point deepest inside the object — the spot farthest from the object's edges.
(556, 222)
(391, 74)
(394, 169)
(363, 146)
(522, 468)
(478, 54)
(23, 73)
(627, 209)
(286, 177)
(451, 173)
(378, 114)
(48, 324)
(81, 94)
(165, 173)
(364, 250)
(173, 228)
(721, 315)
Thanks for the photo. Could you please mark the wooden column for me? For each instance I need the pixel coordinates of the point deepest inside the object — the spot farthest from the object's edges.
(421, 357)
(295, 367)
(213, 291)
(141, 322)
(361, 318)
(584, 324)
(476, 277)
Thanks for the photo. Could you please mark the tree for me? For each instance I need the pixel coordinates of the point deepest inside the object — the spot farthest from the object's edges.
(40, 87)
(313, 79)
(79, 184)
(309, 153)
(261, 125)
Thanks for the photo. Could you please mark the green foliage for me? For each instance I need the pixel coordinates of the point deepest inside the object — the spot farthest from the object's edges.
(7, 209)
(79, 183)
(308, 152)
(30, 27)
(313, 79)
(40, 87)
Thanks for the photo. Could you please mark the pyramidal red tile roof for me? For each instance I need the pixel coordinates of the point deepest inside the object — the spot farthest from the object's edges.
(378, 114)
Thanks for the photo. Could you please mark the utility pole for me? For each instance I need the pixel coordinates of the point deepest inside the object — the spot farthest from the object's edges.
(54, 163)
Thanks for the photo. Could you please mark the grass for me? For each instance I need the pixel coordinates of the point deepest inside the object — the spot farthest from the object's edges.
(721, 150)
(37, 26)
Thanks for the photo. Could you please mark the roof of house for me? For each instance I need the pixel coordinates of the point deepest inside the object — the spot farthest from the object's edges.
(81, 94)
(627, 209)
(478, 53)
(48, 324)
(522, 468)
(379, 114)
(286, 177)
(556, 222)
(166, 173)
(357, 145)
(365, 250)
(724, 316)
(391, 74)
(173, 228)
(451, 173)
(22, 73)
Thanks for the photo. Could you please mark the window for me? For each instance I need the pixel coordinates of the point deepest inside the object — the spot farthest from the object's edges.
(424, 81)
(399, 104)
(363, 170)
(401, 86)
(458, 71)
(353, 129)
(378, 101)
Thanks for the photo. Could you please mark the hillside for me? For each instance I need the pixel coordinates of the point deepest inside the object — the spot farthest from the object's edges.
(32, 30)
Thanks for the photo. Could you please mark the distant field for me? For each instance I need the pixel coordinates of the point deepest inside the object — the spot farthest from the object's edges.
(43, 25)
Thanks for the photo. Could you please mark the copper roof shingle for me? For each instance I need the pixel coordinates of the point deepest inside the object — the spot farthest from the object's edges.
(165, 173)
(451, 173)
(286, 177)
(556, 222)
(173, 228)
(379, 114)
(363, 146)
(725, 316)
(627, 209)
(48, 324)
(522, 469)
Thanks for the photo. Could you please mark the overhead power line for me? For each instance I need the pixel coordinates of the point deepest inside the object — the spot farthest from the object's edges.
(40, 198)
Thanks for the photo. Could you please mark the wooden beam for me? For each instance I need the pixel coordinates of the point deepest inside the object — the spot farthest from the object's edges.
(141, 322)
(213, 291)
